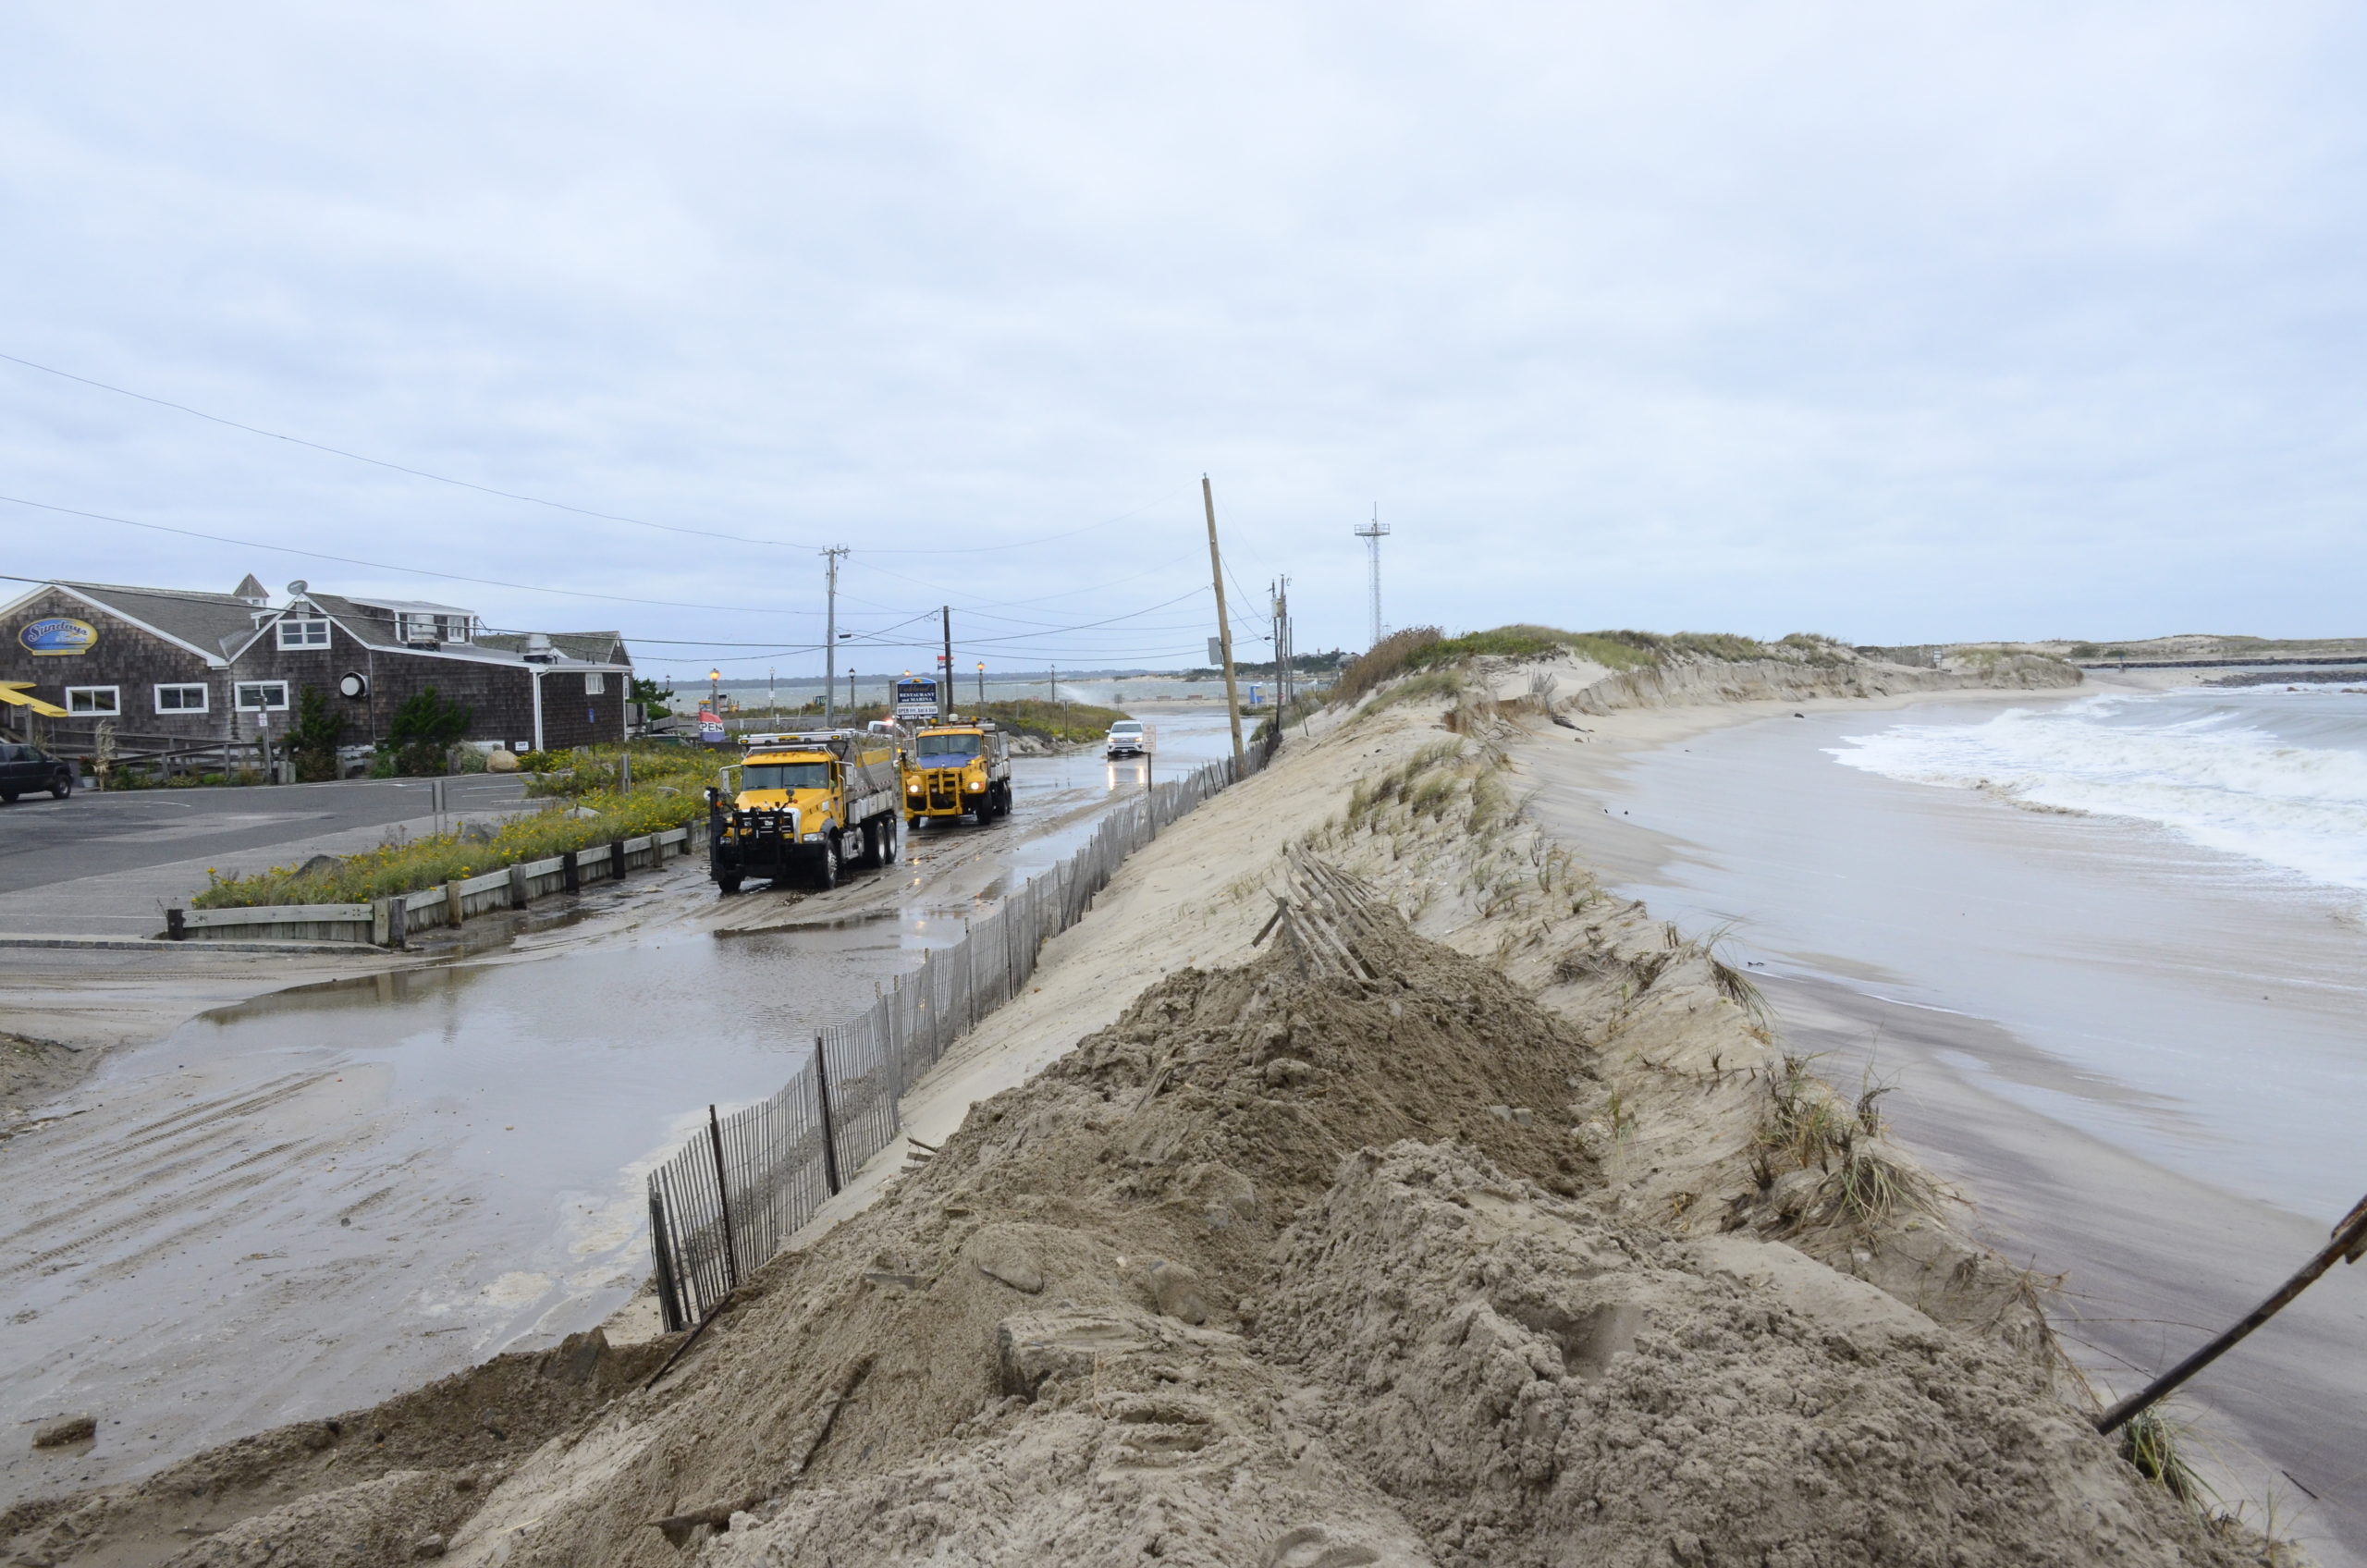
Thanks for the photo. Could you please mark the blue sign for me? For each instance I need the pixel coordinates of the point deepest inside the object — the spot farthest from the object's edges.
(58, 635)
(917, 698)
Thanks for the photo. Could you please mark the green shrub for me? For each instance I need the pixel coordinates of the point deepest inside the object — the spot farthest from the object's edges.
(424, 731)
(410, 864)
(1046, 720)
(312, 739)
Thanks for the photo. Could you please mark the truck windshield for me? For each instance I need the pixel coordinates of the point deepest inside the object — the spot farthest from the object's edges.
(948, 747)
(785, 776)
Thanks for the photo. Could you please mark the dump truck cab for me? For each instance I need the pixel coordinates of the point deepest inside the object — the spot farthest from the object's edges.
(802, 807)
(955, 769)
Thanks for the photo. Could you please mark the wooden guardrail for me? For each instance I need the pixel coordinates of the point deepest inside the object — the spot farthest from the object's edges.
(390, 922)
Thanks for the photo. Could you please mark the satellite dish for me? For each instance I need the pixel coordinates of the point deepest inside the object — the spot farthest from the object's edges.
(297, 587)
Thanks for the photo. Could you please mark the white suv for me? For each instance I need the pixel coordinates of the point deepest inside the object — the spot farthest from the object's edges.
(1128, 739)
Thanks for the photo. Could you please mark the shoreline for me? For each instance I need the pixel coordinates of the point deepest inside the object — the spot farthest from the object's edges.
(1987, 1109)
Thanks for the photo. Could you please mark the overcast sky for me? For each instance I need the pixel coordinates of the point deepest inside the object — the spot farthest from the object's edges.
(1894, 322)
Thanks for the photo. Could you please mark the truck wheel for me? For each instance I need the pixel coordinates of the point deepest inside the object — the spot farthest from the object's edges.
(62, 789)
(730, 884)
(827, 874)
(890, 844)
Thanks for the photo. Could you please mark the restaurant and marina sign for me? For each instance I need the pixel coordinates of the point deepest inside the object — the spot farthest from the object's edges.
(58, 636)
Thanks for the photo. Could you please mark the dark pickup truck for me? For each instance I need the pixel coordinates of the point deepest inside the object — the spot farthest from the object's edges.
(24, 769)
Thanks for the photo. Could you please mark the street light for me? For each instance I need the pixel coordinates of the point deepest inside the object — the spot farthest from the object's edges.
(982, 685)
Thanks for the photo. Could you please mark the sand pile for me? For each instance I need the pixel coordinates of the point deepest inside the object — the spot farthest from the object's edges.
(1301, 1263)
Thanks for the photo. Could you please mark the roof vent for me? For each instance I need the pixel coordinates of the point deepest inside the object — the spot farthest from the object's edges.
(538, 649)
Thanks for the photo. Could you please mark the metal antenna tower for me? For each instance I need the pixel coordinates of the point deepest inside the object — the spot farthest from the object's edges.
(1372, 533)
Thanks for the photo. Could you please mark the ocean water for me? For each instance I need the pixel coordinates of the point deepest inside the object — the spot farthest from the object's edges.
(2110, 949)
(2277, 776)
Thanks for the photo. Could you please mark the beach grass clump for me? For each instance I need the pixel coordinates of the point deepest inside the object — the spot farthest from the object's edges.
(2154, 1445)
(1867, 1188)
(1430, 686)
(1385, 660)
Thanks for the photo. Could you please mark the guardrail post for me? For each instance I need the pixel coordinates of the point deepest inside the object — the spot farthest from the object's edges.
(570, 874)
(829, 1131)
(176, 928)
(617, 859)
(452, 910)
(398, 920)
(517, 893)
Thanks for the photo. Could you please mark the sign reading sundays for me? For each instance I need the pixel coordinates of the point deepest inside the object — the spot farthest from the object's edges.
(58, 636)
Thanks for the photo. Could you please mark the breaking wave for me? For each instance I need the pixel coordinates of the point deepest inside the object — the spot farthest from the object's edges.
(2225, 771)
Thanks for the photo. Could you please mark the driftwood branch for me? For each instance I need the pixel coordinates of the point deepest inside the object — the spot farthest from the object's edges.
(2348, 1245)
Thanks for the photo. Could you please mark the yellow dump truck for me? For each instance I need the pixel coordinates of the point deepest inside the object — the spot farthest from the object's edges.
(803, 808)
(955, 769)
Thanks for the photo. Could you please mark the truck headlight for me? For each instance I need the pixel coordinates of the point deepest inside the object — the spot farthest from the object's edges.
(913, 788)
(977, 784)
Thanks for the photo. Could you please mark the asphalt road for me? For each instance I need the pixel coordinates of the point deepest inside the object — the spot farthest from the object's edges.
(88, 834)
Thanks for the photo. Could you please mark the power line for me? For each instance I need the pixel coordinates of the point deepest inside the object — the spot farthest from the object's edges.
(395, 467)
(389, 566)
(544, 501)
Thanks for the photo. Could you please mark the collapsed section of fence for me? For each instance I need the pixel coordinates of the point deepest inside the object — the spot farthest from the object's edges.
(722, 1204)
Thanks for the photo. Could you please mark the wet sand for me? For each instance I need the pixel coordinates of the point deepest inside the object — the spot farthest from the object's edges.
(2139, 1059)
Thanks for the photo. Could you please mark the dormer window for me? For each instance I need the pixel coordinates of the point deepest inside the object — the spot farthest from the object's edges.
(418, 628)
(303, 632)
(452, 628)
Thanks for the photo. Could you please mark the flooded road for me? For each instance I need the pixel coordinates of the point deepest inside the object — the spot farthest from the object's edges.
(307, 1202)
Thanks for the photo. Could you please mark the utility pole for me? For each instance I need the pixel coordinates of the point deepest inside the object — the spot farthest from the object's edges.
(772, 693)
(945, 682)
(1282, 642)
(1224, 630)
(1372, 533)
(831, 643)
(982, 685)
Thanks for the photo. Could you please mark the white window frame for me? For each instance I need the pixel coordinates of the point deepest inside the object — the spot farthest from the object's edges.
(308, 625)
(596, 683)
(238, 691)
(455, 628)
(413, 627)
(115, 702)
(204, 696)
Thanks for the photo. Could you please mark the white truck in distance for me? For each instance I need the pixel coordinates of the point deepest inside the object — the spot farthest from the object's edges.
(1128, 739)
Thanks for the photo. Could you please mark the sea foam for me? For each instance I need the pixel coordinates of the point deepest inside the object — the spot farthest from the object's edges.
(2221, 769)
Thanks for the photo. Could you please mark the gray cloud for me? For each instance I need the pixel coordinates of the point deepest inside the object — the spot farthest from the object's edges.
(1897, 323)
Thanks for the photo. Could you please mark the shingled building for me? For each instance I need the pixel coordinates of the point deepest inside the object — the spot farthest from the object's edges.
(175, 668)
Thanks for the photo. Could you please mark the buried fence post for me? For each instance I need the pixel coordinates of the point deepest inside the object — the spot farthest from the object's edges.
(723, 1196)
(829, 1131)
(668, 1295)
(570, 874)
(2350, 1244)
